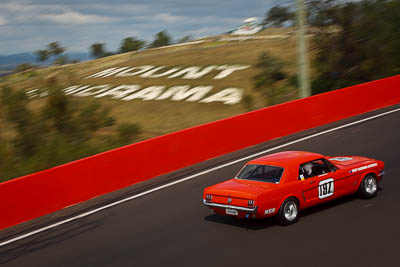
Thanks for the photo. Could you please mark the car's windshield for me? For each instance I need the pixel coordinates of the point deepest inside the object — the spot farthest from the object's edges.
(264, 173)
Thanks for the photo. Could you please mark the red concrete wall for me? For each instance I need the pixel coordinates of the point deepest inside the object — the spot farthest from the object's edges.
(44, 192)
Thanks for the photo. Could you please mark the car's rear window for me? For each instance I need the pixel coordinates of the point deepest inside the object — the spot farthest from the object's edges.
(264, 173)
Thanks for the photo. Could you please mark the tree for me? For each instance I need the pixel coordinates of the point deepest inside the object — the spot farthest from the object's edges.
(61, 60)
(277, 16)
(127, 132)
(7, 163)
(60, 131)
(27, 127)
(55, 49)
(161, 39)
(131, 44)
(97, 50)
(42, 55)
(24, 67)
(185, 39)
(271, 72)
(322, 13)
(248, 102)
(365, 47)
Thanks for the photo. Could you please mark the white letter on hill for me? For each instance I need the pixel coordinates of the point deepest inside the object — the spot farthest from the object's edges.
(148, 93)
(182, 92)
(106, 73)
(120, 91)
(228, 70)
(141, 69)
(150, 74)
(228, 96)
(193, 72)
(97, 90)
(73, 89)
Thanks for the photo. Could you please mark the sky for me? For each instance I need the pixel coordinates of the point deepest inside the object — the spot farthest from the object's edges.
(29, 25)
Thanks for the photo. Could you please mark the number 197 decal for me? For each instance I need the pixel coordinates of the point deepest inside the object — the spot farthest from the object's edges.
(325, 188)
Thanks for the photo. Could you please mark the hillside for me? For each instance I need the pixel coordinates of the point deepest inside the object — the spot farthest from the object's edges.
(168, 89)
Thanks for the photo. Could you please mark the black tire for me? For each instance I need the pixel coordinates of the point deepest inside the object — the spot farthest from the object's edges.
(285, 215)
(368, 187)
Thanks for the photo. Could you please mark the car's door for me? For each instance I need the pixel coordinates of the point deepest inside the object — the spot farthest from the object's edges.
(317, 178)
(346, 180)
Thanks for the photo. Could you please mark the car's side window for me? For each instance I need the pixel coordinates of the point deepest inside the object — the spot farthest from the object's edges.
(313, 168)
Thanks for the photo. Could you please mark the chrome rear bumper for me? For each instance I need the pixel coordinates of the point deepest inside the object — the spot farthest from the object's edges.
(210, 204)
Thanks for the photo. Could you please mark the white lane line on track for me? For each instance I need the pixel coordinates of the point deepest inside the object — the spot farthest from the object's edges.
(191, 177)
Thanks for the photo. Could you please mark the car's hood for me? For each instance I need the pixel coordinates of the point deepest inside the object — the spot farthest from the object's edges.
(240, 188)
(349, 161)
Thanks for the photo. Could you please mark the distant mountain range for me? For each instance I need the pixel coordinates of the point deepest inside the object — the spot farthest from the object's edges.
(9, 62)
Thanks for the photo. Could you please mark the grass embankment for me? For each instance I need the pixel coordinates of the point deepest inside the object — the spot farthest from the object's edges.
(158, 117)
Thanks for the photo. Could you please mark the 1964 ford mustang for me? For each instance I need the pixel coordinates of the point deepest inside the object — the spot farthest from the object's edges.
(284, 183)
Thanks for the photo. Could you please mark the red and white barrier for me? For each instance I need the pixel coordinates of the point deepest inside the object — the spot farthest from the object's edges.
(47, 191)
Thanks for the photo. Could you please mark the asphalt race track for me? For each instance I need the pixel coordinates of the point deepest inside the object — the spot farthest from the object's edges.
(171, 227)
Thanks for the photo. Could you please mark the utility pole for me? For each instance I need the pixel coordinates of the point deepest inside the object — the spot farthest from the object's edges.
(301, 47)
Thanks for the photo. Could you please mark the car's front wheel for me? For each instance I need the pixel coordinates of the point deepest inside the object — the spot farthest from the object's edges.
(288, 212)
(368, 187)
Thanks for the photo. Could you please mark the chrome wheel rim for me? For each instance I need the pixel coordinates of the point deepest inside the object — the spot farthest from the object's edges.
(370, 185)
(290, 210)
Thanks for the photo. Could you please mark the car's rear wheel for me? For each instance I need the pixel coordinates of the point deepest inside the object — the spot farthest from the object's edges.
(368, 187)
(288, 212)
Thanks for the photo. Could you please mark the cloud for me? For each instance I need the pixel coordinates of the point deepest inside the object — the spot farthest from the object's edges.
(73, 17)
(27, 8)
(28, 25)
(12, 6)
(168, 18)
(121, 9)
(3, 21)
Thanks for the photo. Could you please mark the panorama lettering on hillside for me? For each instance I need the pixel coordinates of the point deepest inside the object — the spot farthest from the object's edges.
(129, 92)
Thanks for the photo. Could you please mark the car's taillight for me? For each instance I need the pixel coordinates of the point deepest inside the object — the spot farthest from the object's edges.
(251, 203)
(209, 198)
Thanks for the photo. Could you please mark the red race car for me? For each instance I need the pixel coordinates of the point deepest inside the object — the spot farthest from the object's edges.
(284, 183)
